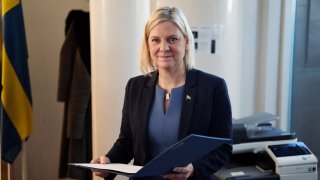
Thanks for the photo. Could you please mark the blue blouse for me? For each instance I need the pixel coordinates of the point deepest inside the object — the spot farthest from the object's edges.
(163, 126)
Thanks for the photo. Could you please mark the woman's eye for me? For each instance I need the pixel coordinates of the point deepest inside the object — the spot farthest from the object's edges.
(155, 40)
(173, 40)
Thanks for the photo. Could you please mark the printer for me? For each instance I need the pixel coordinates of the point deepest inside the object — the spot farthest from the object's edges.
(262, 151)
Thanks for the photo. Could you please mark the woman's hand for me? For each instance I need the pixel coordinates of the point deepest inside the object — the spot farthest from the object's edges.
(100, 160)
(180, 173)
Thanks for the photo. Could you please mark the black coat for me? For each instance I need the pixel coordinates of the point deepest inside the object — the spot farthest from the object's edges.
(74, 89)
(206, 110)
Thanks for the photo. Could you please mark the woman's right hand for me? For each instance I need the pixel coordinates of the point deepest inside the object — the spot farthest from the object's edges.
(100, 160)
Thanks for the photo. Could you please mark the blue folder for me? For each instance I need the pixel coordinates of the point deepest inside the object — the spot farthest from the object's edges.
(185, 151)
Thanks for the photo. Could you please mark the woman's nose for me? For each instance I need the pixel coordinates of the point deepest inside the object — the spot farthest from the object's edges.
(164, 46)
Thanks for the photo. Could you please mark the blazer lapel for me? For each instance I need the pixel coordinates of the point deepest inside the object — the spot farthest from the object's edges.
(188, 103)
(145, 106)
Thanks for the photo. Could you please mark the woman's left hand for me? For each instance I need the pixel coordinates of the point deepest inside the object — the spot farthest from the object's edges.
(180, 173)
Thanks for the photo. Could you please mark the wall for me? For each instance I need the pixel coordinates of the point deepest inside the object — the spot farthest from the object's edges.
(306, 76)
(44, 23)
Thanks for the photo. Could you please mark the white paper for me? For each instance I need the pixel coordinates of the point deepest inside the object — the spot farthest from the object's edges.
(126, 168)
(207, 39)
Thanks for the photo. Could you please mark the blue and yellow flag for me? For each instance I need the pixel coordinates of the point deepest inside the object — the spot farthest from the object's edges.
(16, 93)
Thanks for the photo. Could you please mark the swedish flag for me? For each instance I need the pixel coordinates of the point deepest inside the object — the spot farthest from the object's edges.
(16, 93)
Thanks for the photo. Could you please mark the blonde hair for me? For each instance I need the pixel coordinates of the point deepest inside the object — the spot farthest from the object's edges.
(176, 16)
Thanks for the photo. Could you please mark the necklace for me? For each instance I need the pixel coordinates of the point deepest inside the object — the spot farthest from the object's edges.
(168, 96)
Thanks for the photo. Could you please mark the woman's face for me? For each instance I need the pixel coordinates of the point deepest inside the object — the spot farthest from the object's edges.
(167, 46)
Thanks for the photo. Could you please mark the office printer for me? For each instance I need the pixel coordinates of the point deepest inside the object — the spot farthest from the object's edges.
(262, 151)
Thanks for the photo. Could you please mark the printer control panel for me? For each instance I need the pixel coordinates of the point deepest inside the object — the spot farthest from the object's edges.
(294, 161)
(291, 154)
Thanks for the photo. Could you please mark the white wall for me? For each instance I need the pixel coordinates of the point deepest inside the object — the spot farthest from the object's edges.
(45, 23)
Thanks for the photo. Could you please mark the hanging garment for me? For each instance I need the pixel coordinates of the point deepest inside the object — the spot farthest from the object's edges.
(74, 89)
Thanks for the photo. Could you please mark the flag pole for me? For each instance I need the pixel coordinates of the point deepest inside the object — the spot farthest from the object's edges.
(8, 167)
(1, 126)
(24, 161)
(9, 171)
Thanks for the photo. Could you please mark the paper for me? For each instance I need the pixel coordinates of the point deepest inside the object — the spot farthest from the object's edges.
(117, 167)
(207, 39)
(180, 154)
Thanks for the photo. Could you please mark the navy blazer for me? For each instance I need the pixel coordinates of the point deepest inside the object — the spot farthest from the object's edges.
(206, 110)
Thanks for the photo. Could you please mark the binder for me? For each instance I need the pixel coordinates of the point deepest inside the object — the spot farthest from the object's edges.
(185, 151)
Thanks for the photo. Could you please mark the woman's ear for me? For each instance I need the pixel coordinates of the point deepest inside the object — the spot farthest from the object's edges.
(187, 44)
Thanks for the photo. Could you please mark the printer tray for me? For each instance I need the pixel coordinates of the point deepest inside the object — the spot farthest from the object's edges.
(245, 173)
(248, 166)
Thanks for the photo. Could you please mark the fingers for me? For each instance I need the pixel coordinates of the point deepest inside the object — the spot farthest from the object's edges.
(104, 160)
(181, 170)
(180, 173)
(100, 160)
(95, 161)
(175, 176)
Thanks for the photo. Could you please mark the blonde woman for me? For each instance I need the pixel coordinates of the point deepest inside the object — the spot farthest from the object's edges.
(171, 100)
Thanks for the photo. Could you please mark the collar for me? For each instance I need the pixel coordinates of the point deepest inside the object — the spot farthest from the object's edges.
(190, 78)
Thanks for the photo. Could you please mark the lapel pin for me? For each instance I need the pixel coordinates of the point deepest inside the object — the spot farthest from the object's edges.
(188, 97)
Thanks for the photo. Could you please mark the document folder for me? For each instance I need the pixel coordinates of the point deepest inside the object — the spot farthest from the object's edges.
(185, 151)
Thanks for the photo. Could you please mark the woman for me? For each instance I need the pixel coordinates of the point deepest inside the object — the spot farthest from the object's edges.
(170, 101)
